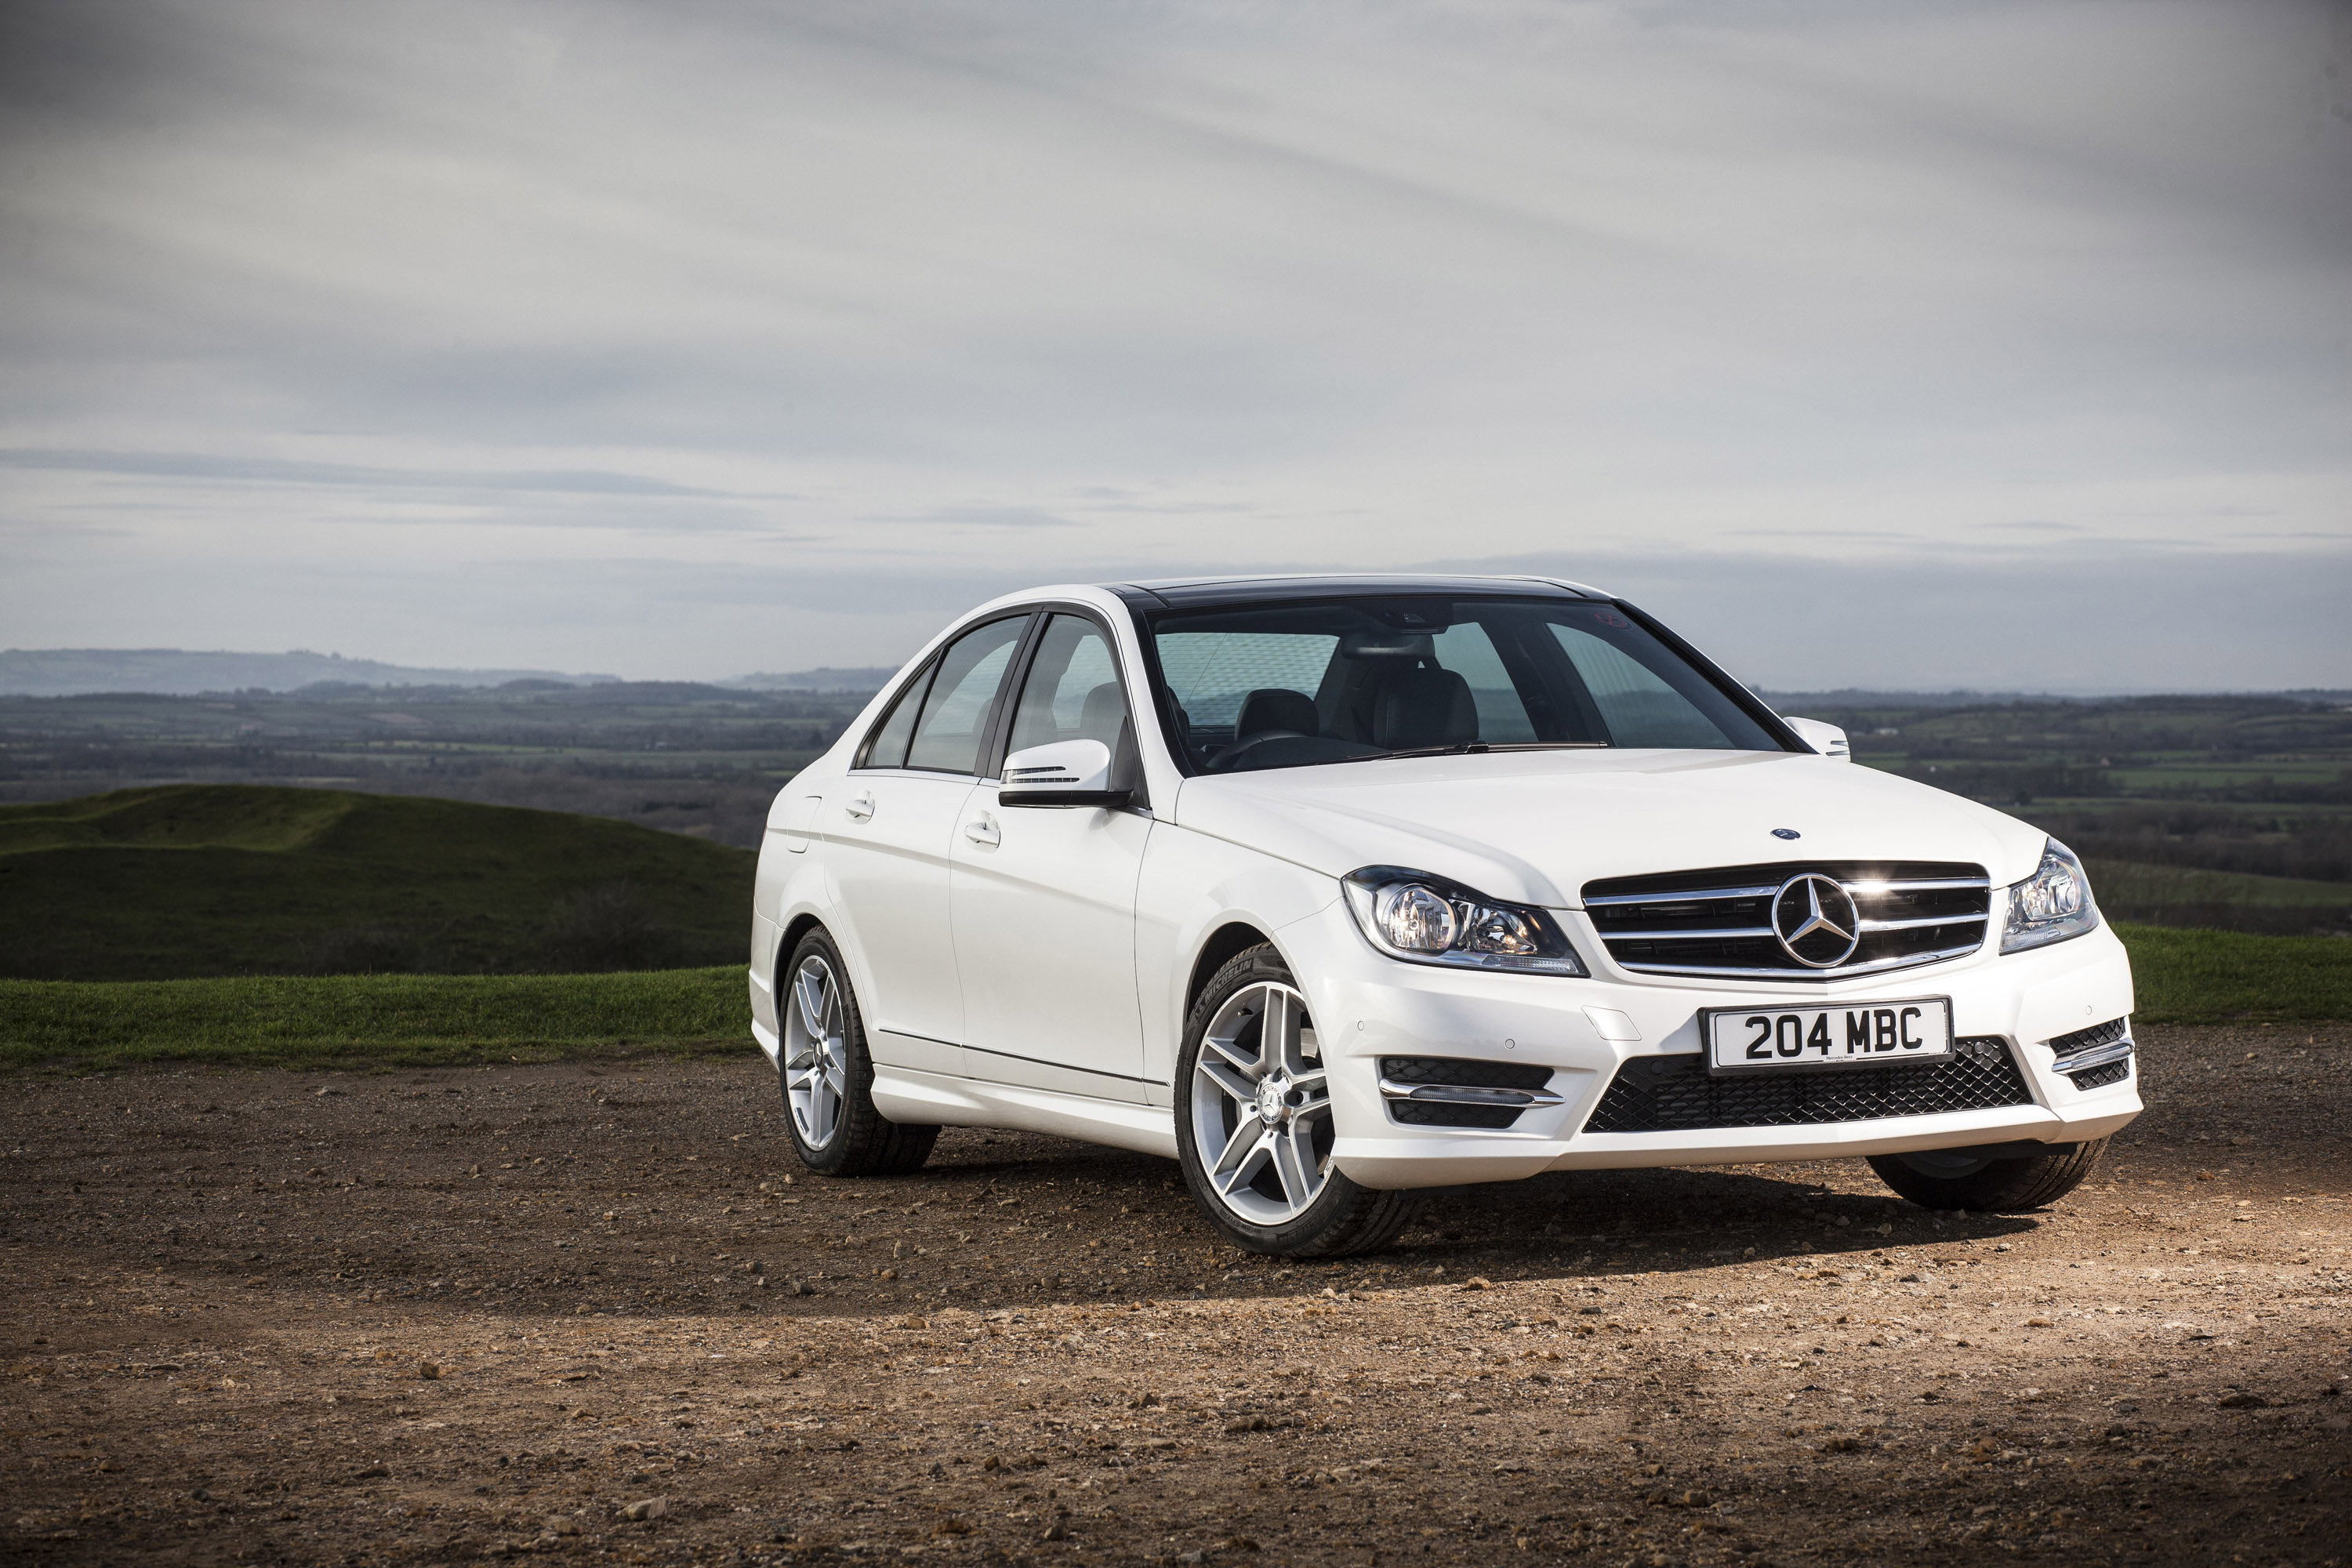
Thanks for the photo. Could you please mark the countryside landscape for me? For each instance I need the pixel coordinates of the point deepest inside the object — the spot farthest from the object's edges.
(391, 1179)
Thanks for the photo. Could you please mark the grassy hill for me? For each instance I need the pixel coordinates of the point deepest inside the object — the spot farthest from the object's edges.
(225, 880)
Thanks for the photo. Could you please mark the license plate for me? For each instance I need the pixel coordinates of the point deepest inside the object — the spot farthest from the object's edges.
(1793, 1040)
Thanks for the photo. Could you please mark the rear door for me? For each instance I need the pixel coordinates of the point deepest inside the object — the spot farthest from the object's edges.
(1043, 898)
(898, 811)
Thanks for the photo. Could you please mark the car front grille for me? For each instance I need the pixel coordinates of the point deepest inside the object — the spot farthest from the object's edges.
(1720, 922)
(1452, 1092)
(1677, 1094)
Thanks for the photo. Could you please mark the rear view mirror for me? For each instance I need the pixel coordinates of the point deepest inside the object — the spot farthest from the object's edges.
(1827, 739)
(1066, 773)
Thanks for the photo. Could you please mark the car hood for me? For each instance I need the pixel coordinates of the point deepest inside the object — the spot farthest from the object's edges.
(1535, 826)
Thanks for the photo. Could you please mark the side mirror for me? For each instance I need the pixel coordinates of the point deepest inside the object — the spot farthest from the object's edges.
(1827, 739)
(1067, 772)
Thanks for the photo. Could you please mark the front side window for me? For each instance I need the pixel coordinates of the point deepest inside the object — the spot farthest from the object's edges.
(1337, 681)
(1072, 692)
(962, 698)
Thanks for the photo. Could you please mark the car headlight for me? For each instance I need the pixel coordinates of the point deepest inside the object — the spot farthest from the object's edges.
(2051, 905)
(1423, 919)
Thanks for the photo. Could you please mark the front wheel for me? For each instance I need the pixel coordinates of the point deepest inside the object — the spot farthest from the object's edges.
(1254, 1122)
(1988, 1183)
(828, 1076)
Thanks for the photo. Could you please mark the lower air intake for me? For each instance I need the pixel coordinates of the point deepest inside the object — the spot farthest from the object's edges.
(1676, 1093)
(1417, 1091)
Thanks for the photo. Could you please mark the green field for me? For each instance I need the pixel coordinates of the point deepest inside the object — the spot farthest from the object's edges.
(400, 1020)
(370, 1020)
(193, 880)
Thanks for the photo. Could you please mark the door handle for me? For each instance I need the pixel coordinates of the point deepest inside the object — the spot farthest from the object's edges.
(982, 830)
(859, 806)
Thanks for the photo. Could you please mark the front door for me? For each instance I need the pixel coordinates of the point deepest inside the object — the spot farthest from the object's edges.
(1043, 898)
(900, 809)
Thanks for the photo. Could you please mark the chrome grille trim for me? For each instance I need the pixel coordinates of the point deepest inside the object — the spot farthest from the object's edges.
(1922, 924)
(1720, 922)
(1873, 967)
(1694, 898)
(1699, 896)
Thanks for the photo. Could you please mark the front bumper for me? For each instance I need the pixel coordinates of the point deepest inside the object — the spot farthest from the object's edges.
(1368, 1006)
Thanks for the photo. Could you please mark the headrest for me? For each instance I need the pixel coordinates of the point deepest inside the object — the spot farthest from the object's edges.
(1276, 708)
(1106, 708)
(1424, 708)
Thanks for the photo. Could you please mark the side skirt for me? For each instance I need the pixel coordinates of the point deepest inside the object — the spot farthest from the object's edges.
(904, 1094)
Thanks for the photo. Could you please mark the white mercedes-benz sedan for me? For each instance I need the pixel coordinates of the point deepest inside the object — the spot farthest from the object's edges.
(1334, 890)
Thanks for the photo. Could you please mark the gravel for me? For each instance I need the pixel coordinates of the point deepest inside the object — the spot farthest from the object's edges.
(596, 1312)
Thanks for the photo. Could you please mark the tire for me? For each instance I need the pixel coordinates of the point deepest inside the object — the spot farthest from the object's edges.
(1955, 1179)
(1266, 1181)
(826, 1074)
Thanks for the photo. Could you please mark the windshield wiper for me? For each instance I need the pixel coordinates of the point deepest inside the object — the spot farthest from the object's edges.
(1477, 748)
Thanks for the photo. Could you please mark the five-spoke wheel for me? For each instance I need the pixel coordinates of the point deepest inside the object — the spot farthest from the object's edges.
(814, 1061)
(826, 1074)
(1258, 1081)
(1254, 1127)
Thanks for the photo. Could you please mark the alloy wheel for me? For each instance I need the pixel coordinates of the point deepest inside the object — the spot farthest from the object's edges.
(816, 1061)
(1261, 1106)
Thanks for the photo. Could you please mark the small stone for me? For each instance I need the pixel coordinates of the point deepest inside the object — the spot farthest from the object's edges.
(1478, 1282)
(647, 1507)
(1057, 1530)
(1237, 1543)
(2038, 1324)
(427, 1370)
(2242, 1400)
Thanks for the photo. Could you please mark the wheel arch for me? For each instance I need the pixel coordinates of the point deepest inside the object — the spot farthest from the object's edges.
(1218, 950)
(799, 926)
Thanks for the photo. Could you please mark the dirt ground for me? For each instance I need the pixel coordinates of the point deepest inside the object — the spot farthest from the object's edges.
(591, 1312)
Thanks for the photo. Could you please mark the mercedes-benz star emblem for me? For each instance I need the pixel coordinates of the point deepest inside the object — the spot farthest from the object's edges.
(1816, 920)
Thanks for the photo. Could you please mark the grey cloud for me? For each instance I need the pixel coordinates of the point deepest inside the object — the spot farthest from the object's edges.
(851, 308)
(202, 466)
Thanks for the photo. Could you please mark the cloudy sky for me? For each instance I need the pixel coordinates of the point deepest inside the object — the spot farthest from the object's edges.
(1991, 343)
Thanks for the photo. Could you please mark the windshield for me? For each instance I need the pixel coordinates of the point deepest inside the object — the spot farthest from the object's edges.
(1338, 680)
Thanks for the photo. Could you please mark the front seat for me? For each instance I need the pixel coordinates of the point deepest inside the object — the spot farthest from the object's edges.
(1274, 710)
(1424, 708)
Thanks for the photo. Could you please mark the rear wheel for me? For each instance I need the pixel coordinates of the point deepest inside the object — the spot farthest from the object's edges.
(828, 1076)
(1254, 1122)
(1988, 1183)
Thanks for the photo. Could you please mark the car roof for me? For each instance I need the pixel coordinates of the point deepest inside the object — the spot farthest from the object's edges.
(1176, 591)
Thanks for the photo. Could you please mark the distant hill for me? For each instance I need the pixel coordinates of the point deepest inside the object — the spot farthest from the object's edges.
(207, 880)
(822, 679)
(173, 672)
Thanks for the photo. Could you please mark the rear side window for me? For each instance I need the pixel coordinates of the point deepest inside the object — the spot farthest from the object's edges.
(962, 698)
(888, 749)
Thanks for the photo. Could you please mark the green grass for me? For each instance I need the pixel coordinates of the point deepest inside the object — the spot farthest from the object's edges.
(2217, 976)
(219, 879)
(413, 1020)
(370, 1020)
